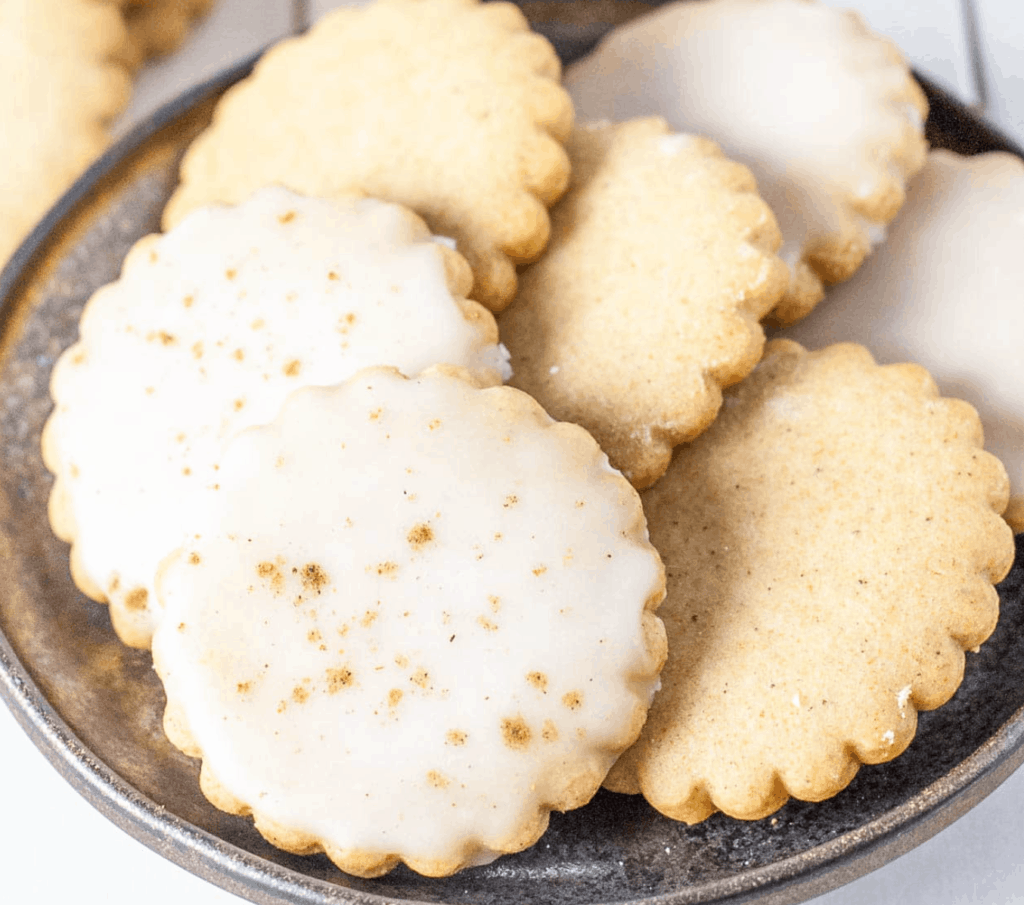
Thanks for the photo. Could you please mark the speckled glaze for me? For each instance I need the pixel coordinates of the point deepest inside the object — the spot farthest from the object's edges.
(94, 707)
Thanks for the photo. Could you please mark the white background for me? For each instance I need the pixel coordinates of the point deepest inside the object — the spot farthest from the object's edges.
(55, 847)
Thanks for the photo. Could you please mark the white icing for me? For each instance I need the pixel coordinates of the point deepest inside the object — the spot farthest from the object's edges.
(794, 90)
(208, 330)
(945, 291)
(476, 563)
(902, 698)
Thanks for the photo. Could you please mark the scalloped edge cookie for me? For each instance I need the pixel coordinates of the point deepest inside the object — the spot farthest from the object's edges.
(385, 658)
(451, 107)
(831, 545)
(649, 297)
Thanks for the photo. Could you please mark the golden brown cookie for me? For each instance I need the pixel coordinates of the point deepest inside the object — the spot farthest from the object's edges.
(648, 299)
(451, 107)
(825, 113)
(831, 543)
(62, 86)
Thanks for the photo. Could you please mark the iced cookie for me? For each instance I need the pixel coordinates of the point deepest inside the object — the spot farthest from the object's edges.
(62, 85)
(946, 291)
(831, 544)
(451, 107)
(825, 113)
(648, 299)
(416, 617)
(205, 334)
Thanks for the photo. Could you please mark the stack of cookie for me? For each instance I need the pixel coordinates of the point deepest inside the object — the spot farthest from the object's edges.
(379, 586)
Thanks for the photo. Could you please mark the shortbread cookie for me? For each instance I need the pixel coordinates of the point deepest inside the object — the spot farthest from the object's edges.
(451, 107)
(647, 302)
(62, 85)
(945, 291)
(831, 544)
(205, 334)
(416, 618)
(158, 27)
(825, 113)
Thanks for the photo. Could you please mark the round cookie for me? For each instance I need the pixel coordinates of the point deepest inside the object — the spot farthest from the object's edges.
(208, 330)
(831, 544)
(945, 291)
(416, 617)
(451, 107)
(648, 299)
(63, 83)
(825, 113)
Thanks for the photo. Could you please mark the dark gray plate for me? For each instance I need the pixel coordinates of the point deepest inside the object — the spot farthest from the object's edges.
(94, 707)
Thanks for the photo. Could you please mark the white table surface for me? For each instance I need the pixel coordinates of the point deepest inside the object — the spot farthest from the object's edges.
(56, 848)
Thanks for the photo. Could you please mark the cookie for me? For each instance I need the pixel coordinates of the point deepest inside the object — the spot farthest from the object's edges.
(208, 330)
(831, 543)
(387, 658)
(63, 84)
(825, 113)
(451, 107)
(648, 299)
(158, 27)
(944, 291)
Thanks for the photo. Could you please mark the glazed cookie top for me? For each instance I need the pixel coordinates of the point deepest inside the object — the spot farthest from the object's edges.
(205, 334)
(945, 291)
(416, 617)
(451, 107)
(62, 84)
(825, 113)
(831, 544)
(647, 302)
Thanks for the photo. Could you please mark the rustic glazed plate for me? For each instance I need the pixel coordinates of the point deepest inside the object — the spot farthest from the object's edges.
(94, 707)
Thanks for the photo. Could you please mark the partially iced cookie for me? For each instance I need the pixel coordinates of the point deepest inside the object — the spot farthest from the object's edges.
(825, 113)
(416, 617)
(831, 544)
(647, 302)
(452, 107)
(946, 291)
(205, 334)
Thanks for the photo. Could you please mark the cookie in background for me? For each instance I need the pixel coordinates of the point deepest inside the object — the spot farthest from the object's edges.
(824, 112)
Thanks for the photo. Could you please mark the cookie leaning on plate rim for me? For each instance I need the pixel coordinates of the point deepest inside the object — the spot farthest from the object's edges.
(824, 112)
(207, 331)
(389, 659)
